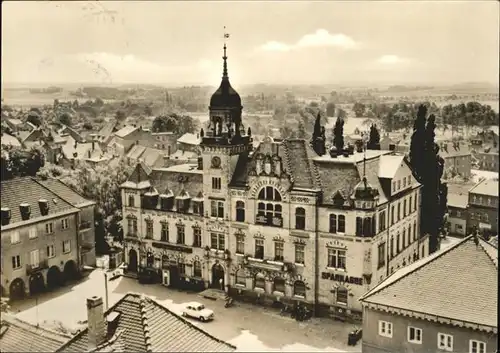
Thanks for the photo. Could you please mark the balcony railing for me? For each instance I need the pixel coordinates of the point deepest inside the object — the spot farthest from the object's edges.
(31, 269)
(269, 220)
(85, 225)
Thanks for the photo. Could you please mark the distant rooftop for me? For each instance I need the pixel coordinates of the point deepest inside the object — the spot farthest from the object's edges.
(352, 158)
(182, 168)
(488, 187)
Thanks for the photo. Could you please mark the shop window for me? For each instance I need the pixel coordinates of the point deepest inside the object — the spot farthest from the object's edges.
(342, 295)
(260, 281)
(279, 285)
(197, 269)
(299, 289)
(241, 278)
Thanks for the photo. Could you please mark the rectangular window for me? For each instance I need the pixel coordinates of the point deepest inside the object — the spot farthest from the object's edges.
(217, 241)
(409, 204)
(414, 335)
(404, 182)
(240, 244)
(164, 232)
(341, 224)
(381, 221)
(392, 215)
(16, 262)
(477, 346)
(399, 184)
(381, 255)
(64, 224)
(34, 258)
(259, 248)
(445, 342)
(32, 234)
(459, 214)
(278, 251)
(415, 202)
(149, 229)
(181, 235)
(14, 238)
(399, 211)
(50, 251)
(404, 208)
(393, 187)
(66, 246)
(216, 184)
(217, 209)
(49, 228)
(182, 268)
(337, 258)
(197, 237)
(299, 254)
(385, 328)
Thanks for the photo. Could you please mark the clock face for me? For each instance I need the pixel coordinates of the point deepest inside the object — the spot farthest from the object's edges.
(215, 162)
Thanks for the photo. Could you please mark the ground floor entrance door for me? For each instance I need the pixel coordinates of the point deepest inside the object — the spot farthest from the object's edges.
(218, 276)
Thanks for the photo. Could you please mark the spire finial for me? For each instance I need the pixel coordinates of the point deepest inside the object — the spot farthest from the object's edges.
(224, 72)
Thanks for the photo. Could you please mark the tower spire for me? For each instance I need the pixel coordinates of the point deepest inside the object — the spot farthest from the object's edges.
(224, 72)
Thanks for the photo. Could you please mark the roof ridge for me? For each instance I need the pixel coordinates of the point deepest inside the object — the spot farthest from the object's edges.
(187, 322)
(380, 287)
(484, 243)
(145, 323)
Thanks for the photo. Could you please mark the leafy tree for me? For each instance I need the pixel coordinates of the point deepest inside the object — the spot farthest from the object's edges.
(338, 134)
(301, 132)
(330, 109)
(359, 109)
(65, 119)
(120, 115)
(34, 118)
(19, 162)
(374, 141)
(87, 126)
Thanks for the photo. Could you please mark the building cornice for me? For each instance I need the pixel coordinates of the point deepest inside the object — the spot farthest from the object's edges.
(39, 219)
(429, 317)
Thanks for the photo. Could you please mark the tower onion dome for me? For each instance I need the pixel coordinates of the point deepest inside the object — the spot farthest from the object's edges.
(225, 96)
(364, 190)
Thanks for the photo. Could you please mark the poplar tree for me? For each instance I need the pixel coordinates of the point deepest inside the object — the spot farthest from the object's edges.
(418, 143)
(374, 141)
(338, 134)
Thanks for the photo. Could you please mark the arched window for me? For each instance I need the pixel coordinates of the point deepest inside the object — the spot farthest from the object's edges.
(197, 269)
(269, 193)
(240, 211)
(341, 224)
(300, 218)
(131, 202)
(333, 223)
(241, 278)
(279, 285)
(342, 295)
(260, 281)
(299, 289)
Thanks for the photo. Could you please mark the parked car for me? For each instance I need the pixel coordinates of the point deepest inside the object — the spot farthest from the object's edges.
(198, 311)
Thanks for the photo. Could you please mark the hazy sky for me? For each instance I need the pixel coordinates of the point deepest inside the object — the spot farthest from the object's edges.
(270, 42)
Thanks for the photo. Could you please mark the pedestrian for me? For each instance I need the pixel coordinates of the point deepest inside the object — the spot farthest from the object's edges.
(221, 284)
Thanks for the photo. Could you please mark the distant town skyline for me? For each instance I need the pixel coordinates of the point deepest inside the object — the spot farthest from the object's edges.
(176, 43)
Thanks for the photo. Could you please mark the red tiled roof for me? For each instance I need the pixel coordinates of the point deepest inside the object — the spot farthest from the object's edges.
(457, 283)
(29, 190)
(20, 336)
(148, 326)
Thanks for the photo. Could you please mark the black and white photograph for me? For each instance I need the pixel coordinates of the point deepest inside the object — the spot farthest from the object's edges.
(249, 176)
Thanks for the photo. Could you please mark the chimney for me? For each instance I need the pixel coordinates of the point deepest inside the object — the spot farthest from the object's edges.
(93, 137)
(44, 207)
(5, 216)
(97, 329)
(90, 153)
(25, 210)
(76, 144)
(166, 161)
(200, 163)
(392, 147)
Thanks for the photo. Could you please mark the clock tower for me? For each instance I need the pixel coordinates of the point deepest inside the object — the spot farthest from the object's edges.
(222, 144)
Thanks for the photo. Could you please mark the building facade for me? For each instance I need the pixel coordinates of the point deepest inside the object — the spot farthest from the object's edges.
(281, 222)
(457, 158)
(41, 237)
(488, 159)
(444, 314)
(483, 207)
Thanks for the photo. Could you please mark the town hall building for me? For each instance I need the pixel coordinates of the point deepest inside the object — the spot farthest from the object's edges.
(284, 221)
